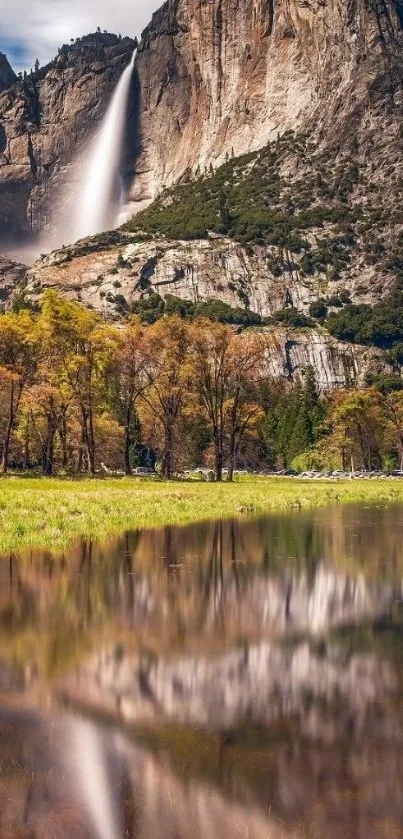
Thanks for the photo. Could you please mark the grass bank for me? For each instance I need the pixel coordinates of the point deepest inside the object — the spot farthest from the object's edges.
(50, 513)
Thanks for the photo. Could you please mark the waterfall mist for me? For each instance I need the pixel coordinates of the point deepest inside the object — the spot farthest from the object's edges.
(99, 201)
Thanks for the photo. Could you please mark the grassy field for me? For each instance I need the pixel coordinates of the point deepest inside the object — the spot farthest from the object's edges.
(41, 512)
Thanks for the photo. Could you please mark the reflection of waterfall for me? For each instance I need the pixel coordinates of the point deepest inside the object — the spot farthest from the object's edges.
(99, 201)
(90, 773)
(237, 784)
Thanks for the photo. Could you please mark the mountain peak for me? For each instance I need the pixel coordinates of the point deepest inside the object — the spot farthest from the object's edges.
(7, 75)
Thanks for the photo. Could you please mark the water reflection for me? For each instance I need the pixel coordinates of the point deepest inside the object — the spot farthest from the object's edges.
(203, 586)
(250, 674)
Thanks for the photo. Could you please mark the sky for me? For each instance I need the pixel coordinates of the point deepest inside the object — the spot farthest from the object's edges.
(31, 29)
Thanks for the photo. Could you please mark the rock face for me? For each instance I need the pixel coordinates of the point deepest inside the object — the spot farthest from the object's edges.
(7, 75)
(224, 77)
(11, 276)
(46, 120)
(214, 79)
(111, 272)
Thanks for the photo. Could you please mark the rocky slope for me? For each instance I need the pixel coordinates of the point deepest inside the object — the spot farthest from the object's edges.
(45, 120)
(112, 272)
(12, 274)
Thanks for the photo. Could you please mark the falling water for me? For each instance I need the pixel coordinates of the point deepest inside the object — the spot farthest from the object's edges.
(99, 199)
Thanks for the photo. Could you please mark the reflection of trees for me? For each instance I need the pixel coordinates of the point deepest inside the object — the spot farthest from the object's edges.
(206, 582)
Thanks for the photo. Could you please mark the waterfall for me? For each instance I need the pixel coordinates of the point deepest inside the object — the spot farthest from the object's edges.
(101, 195)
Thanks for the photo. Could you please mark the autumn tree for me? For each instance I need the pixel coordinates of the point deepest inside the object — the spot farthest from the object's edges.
(19, 355)
(134, 374)
(212, 359)
(354, 425)
(83, 348)
(227, 367)
(173, 380)
(393, 407)
(241, 407)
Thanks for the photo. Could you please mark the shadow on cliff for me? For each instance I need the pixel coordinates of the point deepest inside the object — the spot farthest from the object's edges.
(132, 139)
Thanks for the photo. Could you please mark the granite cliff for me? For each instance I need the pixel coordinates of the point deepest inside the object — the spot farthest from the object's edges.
(225, 77)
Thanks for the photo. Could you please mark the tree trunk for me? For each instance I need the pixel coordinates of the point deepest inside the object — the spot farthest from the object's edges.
(7, 436)
(27, 442)
(6, 445)
(232, 455)
(167, 456)
(63, 441)
(80, 458)
(127, 443)
(362, 447)
(218, 457)
(88, 438)
(91, 443)
(48, 452)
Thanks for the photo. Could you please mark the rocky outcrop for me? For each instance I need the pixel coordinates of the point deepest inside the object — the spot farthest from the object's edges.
(7, 75)
(46, 118)
(112, 272)
(12, 275)
(225, 77)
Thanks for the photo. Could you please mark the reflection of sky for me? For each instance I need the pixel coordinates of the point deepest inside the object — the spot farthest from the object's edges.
(31, 30)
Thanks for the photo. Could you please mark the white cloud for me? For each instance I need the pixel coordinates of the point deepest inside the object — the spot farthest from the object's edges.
(36, 28)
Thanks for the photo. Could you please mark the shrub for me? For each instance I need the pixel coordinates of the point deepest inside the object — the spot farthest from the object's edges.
(121, 304)
(176, 306)
(318, 310)
(149, 308)
(223, 312)
(380, 325)
(292, 317)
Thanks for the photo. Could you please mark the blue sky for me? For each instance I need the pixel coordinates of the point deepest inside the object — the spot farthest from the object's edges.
(33, 29)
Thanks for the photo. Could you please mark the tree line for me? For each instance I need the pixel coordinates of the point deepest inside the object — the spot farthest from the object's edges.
(78, 394)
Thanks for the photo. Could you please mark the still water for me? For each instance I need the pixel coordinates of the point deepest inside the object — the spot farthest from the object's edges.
(230, 679)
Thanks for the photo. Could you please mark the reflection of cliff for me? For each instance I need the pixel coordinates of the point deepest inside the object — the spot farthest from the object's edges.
(45, 614)
(263, 681)
(259, 684)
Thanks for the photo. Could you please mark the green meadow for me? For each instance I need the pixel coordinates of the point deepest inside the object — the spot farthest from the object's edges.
(51, 513)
